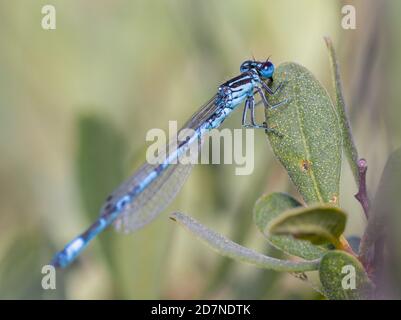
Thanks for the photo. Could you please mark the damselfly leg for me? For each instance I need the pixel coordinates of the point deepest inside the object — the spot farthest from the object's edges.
(250, 104)
(264, 99)
(253, 121)
(270, 91)
(246, 107)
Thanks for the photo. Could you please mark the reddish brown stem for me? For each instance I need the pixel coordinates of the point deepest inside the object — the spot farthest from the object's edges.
(362, 195)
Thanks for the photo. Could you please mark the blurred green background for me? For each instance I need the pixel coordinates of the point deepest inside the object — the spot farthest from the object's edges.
(76, 103)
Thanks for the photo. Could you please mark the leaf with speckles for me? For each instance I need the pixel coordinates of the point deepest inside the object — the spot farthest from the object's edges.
(271, 206)
(343, 277)
(307, 140)
(235, 251)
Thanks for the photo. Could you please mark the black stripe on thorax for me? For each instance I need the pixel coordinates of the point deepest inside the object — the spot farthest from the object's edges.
(238, 81)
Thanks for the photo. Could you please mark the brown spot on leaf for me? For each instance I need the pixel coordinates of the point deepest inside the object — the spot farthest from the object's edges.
(334, 199)
(305, 165)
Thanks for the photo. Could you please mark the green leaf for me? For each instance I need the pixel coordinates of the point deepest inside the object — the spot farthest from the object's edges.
(307, 137)
(343, 277)
(233, 250)
(319, 224)
(348, 141)
(99, 164)
(272, 206)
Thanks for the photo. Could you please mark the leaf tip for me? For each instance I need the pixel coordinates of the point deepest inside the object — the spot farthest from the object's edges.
(328, 41)
(174, 216)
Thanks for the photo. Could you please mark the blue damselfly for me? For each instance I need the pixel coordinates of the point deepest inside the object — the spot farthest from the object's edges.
(152, 187)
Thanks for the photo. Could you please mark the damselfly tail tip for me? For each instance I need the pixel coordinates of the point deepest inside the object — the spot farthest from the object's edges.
(64, 258)
(58, 260)
(54, 263)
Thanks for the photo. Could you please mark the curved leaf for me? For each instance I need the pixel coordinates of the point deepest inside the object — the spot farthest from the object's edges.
(319, 225)
(270, 207)
(307, 140)
(233, 250)
(343, 277)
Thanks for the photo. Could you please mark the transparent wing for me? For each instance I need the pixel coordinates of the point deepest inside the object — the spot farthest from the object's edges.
(202, 115)
(161, 191)
(153, 199)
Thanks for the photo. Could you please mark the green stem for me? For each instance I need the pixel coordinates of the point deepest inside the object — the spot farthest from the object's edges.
(348, 141)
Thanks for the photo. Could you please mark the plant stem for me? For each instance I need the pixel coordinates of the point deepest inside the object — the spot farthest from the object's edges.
(362, 195)
(348, 141)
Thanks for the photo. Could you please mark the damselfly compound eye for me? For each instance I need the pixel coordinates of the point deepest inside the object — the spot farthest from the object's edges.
(267, 69)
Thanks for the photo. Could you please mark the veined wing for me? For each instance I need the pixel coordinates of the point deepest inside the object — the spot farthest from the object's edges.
(153, 199)
(162, 189)
(202, 115)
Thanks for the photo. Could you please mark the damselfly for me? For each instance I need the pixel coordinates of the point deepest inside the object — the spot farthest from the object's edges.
(152, 187)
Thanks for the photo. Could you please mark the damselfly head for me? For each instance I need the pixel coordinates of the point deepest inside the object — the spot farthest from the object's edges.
(266, 69)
